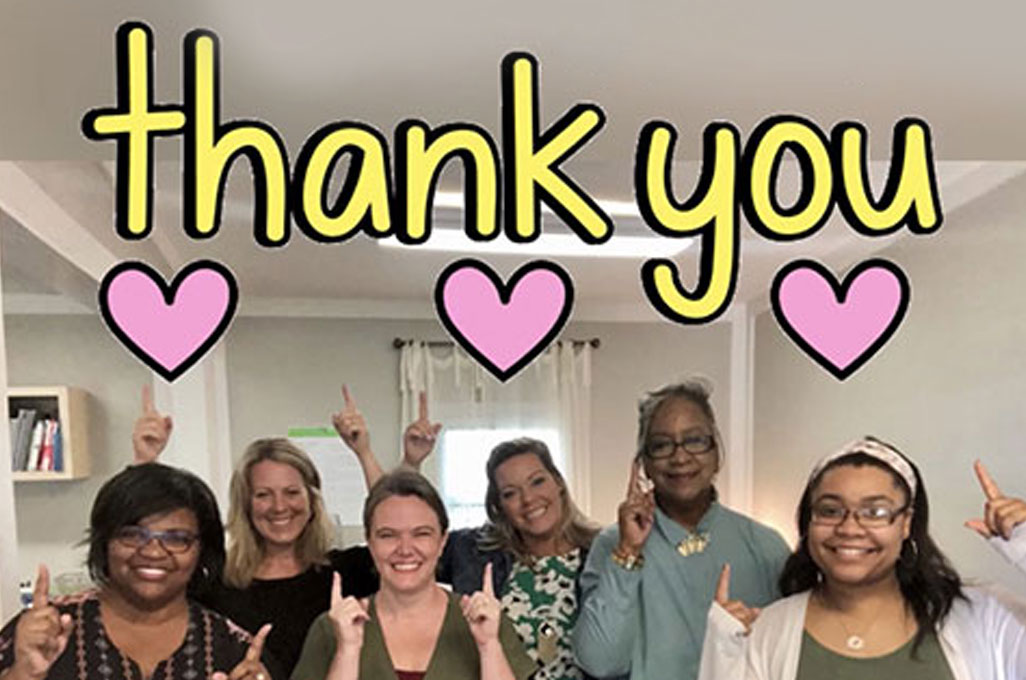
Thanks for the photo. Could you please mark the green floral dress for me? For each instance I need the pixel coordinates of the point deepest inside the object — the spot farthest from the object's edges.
(541, 601)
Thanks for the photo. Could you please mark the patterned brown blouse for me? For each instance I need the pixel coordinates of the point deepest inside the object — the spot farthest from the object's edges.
(212, 643)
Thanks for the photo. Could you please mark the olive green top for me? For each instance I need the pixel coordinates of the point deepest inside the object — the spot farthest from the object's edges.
(819, 663)
(455, 655)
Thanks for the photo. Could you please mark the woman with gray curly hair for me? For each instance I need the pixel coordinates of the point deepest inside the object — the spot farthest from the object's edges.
(650, 578)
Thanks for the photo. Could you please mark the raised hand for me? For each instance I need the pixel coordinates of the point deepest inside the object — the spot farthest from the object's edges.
(351, 426)
(420, 436)
(348, 616)
(483, 611)
(1001, 513)
(250, 667)
(736, 608)
(636, 514)
(41, 634)
(151, 431)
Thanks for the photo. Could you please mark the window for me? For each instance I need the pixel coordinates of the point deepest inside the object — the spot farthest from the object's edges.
(463, 454)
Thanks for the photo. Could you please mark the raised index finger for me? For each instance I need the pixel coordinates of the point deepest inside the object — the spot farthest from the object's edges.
(723, 585)
(423, 411)
(990, 487)
(486, 582)
(347, 398)
(336, 589)
(633, 483)
(147, 401)
(256, 648)
(41, 592)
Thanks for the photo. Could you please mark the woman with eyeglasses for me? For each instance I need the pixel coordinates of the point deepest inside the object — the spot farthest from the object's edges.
(869, 592)
(156, 544)
(280, 559)
(650, 578)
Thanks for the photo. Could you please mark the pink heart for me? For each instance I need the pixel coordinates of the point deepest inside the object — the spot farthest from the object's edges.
(504, 326)
(840, 326)
(171, 327)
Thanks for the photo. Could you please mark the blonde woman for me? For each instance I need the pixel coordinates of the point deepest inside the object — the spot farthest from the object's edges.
(280, 563)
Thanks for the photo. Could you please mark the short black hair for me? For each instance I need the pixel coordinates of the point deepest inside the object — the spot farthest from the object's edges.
(152, 489)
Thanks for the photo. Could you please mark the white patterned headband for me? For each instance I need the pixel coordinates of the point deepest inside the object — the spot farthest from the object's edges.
(874, 449)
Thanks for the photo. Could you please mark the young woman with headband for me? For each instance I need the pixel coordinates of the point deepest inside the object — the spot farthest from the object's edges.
(869, 592)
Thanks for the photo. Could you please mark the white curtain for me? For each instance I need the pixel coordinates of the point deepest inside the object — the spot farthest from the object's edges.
(553, 393)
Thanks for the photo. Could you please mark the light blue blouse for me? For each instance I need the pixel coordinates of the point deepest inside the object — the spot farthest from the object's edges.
(650, 623)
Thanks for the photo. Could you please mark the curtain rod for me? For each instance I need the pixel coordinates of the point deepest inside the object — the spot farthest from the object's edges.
(398, 343)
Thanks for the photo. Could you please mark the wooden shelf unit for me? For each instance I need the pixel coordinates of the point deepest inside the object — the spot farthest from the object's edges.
(71, 405)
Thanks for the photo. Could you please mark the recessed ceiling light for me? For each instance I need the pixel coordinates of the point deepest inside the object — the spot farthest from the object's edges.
(455, 199)
(565, 245)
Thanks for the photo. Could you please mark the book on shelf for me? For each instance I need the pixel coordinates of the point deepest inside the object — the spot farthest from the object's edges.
(36, 445)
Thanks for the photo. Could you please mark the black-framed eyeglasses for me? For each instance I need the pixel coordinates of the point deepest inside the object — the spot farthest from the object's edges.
(172, 540)
(867, 516)
(663, 447)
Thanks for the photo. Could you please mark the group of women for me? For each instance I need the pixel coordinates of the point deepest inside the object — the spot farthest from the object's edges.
(681, 587)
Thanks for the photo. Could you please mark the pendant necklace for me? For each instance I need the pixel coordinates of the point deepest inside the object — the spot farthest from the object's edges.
(854, 641)
(694, 543)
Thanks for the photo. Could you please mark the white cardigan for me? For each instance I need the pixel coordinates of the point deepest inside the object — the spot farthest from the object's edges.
(981, 638)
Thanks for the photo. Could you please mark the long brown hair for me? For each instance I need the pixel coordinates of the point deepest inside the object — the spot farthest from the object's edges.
(245, 544)
(499, 533)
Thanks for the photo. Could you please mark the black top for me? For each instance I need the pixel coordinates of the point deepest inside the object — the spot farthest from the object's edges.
(211, 644)
(292, 604)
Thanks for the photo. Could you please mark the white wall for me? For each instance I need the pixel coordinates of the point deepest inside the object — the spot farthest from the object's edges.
(287, 372)
(79, 351)
(949, 387)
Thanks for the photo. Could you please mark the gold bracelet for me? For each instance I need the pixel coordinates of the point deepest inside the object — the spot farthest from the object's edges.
(629, 561)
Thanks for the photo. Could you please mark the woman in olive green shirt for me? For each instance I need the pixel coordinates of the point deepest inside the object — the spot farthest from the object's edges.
(411, 629)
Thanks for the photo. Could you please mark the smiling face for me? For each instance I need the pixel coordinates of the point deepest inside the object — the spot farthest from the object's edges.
(405, 541)
(149, 575)
(530, 496)
(280, 502)
(849, 553)
(683, 478)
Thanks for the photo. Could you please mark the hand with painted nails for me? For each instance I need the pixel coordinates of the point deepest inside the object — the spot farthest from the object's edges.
(151, 431)
(636, 514)
(250, 667)
(736, 608)
(420, 436)
(1001, 514)
(348, 615)
(483, 611)
(351, 426)
(41, 634)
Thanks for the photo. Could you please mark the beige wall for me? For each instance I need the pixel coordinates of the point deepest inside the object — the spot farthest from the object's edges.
(950, 386)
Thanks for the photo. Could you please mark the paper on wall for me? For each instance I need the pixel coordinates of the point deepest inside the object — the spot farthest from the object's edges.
(342, 481)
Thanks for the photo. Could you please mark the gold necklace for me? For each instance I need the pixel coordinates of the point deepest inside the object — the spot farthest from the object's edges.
(695, 543)
(854, 641)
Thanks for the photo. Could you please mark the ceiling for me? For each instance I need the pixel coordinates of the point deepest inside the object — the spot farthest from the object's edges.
(316, 62)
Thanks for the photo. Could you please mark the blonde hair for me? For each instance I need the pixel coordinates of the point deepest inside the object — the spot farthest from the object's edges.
(499, 533)
(245, 544)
